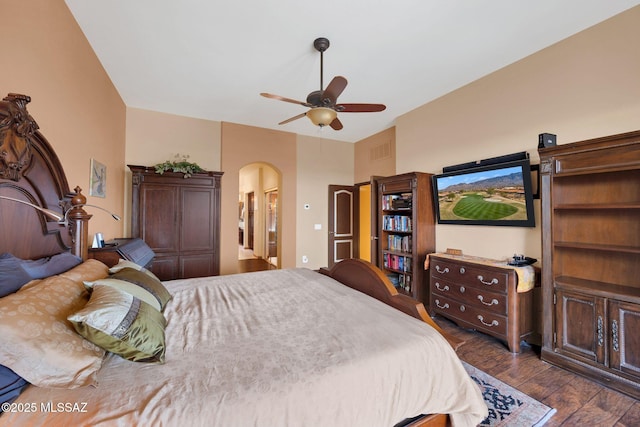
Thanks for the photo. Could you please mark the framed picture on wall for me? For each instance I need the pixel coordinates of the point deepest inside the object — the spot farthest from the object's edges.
(98, 179)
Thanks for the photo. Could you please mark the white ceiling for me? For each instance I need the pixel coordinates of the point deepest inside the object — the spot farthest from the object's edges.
(210, 59)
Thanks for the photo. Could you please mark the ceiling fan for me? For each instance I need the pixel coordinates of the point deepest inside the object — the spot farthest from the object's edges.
(322, 104)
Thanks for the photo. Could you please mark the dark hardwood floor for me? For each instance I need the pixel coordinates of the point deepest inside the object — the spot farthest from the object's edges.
(578, 401)
(253, 264)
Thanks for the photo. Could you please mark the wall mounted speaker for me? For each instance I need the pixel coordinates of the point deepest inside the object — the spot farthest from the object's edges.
(546, 140)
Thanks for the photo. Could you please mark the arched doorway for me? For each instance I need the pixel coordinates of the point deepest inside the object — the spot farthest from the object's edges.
(259, 217)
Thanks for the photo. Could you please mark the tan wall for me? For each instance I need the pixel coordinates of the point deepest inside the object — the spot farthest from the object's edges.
(320, 162)
(153, 137)
(242, 145)
(375, 155)
(46, 56)
(583, 87)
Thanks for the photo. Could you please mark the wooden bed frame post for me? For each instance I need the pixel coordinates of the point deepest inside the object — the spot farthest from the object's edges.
(79, 224)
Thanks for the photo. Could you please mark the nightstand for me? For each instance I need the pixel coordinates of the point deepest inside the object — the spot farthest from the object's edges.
(134, 250)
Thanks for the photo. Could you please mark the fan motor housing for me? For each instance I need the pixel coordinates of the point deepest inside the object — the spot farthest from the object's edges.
(321, 44)
(315, 98)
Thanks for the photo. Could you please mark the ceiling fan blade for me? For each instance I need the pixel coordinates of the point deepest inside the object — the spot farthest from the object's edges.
(282, 98)
(336, 124)
(333, 91)
(299, 116)
(360, 108)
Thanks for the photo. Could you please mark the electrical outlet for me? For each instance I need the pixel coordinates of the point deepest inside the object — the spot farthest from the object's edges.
(305, 259)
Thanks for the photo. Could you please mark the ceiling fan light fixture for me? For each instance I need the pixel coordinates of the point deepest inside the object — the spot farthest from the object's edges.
(322, 116)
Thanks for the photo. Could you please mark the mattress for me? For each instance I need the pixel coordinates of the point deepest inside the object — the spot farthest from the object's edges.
(277, 348)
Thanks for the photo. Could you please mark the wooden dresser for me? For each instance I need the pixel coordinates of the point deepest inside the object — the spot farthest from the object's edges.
(482, 294)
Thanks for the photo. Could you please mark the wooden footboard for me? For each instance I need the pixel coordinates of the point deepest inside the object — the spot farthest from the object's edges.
(369, 279)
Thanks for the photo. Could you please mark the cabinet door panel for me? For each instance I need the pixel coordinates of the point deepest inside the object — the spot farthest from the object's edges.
(625, 338)
(165, 267)
(197, 265)
(197, 219)
(580, 326)
(158, 217)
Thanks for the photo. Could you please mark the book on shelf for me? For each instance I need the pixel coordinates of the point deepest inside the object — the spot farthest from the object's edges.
(402, 201)
(400, 223)
(400, 281)
(399, 243)
(396, 262)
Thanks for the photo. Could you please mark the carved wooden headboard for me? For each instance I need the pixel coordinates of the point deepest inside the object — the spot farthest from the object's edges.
(31, 171)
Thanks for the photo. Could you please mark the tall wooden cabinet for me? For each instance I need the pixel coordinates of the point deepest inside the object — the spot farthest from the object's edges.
(591, 259)
(406, 231)
(179, 218)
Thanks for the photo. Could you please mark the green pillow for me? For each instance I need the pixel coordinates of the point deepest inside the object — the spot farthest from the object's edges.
(139, 284)
(122, 324)
(123, 263)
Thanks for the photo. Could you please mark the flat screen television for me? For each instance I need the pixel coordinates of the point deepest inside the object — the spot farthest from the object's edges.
(497, 194)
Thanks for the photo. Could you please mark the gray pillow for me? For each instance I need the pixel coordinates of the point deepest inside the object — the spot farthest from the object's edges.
(11, 385)
(50, 266)
(12, 275)
(15, 272)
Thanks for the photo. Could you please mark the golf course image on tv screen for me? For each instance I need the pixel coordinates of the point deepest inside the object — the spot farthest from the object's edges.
(492, 195)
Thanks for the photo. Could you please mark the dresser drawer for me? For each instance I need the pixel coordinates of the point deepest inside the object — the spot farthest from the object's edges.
(480, 277)
(477, 318)
(495, 302)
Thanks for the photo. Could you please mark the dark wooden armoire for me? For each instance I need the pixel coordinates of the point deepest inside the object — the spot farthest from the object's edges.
(179, 218)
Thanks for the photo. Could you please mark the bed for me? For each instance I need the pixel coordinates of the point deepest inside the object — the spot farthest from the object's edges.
(278, 348)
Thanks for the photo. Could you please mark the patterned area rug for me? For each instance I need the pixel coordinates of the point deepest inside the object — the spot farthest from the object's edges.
(508, 406)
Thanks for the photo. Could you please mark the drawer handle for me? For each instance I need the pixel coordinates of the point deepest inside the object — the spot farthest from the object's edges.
(462, 289)
(494, 322)
(493, 281)
(463, 308)
(443, 288)
(462, 270)
(445, 306)
(493, 301)
(444, 270)
(600, 331)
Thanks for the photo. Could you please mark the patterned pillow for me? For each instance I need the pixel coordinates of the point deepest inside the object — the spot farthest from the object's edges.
(91, 269)
(122, 324)
(139, 284)
(39, 344)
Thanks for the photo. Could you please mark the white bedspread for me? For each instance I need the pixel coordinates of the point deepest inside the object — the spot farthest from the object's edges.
(279, 348)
